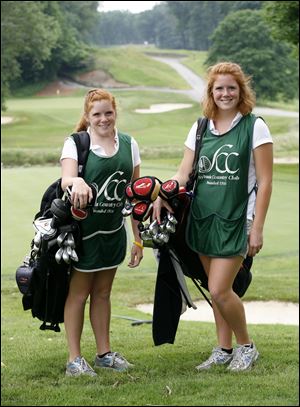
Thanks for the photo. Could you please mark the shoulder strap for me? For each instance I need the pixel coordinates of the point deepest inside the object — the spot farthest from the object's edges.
(82, 141)
(202, 124)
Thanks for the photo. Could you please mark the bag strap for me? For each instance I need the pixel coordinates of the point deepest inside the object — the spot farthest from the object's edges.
(82, 141)
(201, 127)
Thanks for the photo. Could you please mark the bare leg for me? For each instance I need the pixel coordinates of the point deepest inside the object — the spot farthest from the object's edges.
(100, 308)
(228, 309)
(230, 306)
(74, 310)
(224, 332)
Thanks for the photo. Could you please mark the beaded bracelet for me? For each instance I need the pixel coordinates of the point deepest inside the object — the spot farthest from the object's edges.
(138, 244)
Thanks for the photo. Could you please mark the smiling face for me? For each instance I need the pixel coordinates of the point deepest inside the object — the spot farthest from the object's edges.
(102, 117)
(226, 93)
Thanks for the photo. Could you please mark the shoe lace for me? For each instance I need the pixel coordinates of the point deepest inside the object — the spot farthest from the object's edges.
(119, 358)
(240, 354)
(216, 352)
(84, 365)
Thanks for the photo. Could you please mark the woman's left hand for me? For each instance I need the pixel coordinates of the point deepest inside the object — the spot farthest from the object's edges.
(255, 242)
(136, 255)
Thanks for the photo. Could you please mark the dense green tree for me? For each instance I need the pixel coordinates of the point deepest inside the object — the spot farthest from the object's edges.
(82, 16)
(205, 17)
(241, 5)
(26, 32)
(182, 10)
(116, 28)
(248, 42)
(71, 52)
(43, 39)
(283, 17)
(196, 20)
(170, 24)
(158, 26)
(145, 26)
(166, 33)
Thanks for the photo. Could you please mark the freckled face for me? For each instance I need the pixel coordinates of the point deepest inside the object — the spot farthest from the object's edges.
(102, 117)
(226, 93)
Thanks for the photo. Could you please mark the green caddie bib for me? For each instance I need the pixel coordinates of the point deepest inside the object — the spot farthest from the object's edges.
(217, 220)
(103, 233)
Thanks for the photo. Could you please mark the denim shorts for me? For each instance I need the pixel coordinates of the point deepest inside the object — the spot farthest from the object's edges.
(248, 227)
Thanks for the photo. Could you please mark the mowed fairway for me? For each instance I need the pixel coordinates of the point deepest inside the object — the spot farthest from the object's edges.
(44, 122)
(40, 124)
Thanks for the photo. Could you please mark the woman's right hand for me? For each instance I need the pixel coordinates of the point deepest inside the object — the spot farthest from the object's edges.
(158, 204)
(81, 193)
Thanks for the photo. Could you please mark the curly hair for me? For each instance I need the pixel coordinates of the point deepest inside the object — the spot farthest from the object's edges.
(247, 96)
(92, 96)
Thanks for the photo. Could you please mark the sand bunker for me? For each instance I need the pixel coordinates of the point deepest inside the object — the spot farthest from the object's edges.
(164, 107)
(6, 119)
(257, 312)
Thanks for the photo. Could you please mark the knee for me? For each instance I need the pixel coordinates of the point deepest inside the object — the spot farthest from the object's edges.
(101, 295)
(219, 295)
(78, 296)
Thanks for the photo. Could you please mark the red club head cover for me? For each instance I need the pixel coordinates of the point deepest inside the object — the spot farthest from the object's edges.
(169, 189)
(142, 211)
(128, 192)
(78, 214)
(145, 188)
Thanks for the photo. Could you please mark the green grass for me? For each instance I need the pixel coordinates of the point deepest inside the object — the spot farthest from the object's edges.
(292, 105)
(45, 122)
(195, 61)
(136, 68)
(192, 59)
(41, 124)
(40, 380)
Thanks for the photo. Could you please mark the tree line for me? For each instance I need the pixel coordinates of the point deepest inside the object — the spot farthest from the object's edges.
(171, 24)
(42, 40)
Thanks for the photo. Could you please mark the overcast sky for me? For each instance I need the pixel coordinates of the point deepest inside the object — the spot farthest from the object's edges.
(131, 6)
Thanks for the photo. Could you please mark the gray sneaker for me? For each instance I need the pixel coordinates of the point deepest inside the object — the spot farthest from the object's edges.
(217, 357)
(78, 367)
(243, 359)
(113, 360)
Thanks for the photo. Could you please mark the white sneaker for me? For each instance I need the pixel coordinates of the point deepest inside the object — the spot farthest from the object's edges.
(218, 357)
(244, 357)
(78, 367)
(114, 361)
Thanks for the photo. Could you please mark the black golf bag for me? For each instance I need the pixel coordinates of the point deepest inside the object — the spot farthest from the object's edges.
(43, 278)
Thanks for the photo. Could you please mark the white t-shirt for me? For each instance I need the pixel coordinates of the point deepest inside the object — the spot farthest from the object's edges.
(70, 151)
(261, 135)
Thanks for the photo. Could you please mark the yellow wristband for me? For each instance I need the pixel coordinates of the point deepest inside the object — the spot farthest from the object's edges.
(138, 244)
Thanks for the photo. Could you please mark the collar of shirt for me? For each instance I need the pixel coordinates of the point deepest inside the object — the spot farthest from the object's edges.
(100, 150)
(233, 123)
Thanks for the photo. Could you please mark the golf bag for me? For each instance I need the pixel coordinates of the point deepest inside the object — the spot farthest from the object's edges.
(43, 278)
